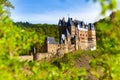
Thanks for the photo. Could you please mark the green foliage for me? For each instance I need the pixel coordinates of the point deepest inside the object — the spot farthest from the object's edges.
(13, 40)
(17, 39)
(108, 33)
(109, 65)
(108, 43)
(107, 5)
(41, 29)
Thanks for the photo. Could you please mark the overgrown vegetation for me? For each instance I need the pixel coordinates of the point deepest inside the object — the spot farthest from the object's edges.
(17, 38)
(41, 29)
(109, 45)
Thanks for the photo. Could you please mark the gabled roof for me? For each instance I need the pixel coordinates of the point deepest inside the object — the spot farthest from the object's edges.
(51, 40)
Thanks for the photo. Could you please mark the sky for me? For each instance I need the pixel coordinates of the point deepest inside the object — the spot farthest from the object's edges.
(50, 11)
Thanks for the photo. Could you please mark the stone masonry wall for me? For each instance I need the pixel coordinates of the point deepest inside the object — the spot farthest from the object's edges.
(52, 48)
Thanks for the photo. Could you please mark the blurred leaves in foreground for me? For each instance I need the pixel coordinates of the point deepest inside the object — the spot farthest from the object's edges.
(15, 40)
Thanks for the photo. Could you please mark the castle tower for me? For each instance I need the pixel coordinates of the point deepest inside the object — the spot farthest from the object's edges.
(76, 36)
(71, 27)
(62, 27)
(91, 36)
(83, 35)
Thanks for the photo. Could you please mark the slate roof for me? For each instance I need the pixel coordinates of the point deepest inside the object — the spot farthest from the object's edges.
(62, 23)
(91, 26)
(51, 40)
(67, 32)
(70, 22)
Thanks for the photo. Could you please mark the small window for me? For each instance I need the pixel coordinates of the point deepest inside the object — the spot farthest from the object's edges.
(82, 38)
(89, 39)
(72, 40)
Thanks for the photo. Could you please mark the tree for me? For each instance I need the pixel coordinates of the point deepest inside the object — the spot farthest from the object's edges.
(14, 40)
(107, 5)
(108, 43)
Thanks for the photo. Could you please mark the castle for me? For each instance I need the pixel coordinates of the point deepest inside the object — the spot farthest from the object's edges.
(74, 35)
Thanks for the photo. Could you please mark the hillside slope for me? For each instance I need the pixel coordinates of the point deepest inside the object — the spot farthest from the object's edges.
(78, 60)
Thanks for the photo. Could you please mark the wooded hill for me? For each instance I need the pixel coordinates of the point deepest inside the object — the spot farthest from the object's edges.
(42, 29)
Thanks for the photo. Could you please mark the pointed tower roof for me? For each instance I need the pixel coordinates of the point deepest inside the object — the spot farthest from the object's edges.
(70, 22)
(60, 23)
(91, 26)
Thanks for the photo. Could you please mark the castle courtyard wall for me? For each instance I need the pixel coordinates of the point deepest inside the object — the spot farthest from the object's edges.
(52, 48)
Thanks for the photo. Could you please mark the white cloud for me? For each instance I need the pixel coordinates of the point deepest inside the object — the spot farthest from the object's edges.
(90, 14)
(53, 17)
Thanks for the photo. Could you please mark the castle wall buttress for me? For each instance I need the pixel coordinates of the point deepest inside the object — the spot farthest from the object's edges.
(76, 43)
(73, 29)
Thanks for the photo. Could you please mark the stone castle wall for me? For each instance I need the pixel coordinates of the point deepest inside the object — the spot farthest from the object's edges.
(74, 35)
(52, 48)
